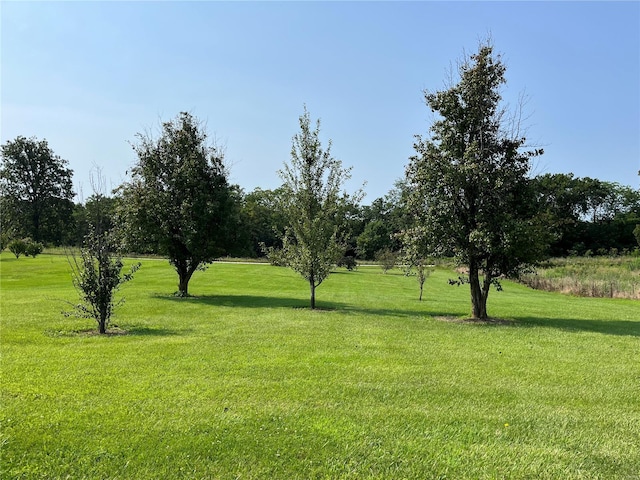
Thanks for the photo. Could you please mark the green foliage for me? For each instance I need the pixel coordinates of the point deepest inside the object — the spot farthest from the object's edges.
(387, 259)
(375, 238)
(312, 206)
(33, 249)
(242, 382)
(262, 219)
(349, 262)
(18, 247)
(4, 241)
(97, 276)
(636, 233)
(36, 190)
(178, 202)
(586, 214)
(470, 195)
(26, 247)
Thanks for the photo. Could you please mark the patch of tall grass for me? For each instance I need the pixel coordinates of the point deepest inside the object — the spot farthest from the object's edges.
(604, 277)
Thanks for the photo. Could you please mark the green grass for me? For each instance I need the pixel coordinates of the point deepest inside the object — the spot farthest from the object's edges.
(244, 381)
(604, 276)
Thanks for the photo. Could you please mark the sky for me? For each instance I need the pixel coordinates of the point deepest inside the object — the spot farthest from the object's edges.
(88, 76)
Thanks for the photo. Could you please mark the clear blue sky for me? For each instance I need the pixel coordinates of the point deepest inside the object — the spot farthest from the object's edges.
(88, 76)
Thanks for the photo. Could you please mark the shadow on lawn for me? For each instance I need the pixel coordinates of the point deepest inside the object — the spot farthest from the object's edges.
(609, 327)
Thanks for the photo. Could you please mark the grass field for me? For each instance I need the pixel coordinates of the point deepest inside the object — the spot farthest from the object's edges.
(244, 382)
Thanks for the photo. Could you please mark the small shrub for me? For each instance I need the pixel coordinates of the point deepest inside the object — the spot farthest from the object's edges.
(33, 249)
(4, 240)
(348, 262)
(97, 276)
(17, 247)
(387, 259)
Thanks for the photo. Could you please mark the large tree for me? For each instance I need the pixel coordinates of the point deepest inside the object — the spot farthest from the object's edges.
(37, 191)
(471, 195)
(178, 202)
(313, 205)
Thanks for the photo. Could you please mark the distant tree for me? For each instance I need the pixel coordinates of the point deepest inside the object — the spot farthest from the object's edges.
(636, 233)
(470, 194)
(263, 220)
(376, 237)
(387, 259)
(36, 190)
(312, 205)
(178, 202)
(97, 275)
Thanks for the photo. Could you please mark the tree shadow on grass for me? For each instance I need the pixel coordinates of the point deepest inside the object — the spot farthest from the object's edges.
(609, 327)
(154, 332)
(252, 301)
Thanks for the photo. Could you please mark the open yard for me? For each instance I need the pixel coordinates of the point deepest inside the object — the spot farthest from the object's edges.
(243, 381)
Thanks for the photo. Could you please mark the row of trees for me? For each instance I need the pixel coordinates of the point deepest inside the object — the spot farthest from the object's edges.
(467, 193)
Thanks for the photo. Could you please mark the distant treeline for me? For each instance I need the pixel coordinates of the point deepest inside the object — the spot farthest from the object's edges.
(586, 217)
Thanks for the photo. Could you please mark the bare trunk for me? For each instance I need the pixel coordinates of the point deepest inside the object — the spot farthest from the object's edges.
(421, 285)
(313, 294)
(478, 298)
(102, 324)
(184, 275)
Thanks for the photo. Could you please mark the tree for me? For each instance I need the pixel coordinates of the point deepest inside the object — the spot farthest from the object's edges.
(37, 190)
(178, 202)
(312, 205)
(470, 194)
(97, 276)
(636, 233)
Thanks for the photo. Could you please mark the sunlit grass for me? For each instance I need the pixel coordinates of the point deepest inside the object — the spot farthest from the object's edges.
(244, 381)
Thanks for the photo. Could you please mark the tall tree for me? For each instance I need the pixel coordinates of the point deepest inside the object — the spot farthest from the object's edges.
(178, 202)
(37, 190)
(313, 207)
(470, 191)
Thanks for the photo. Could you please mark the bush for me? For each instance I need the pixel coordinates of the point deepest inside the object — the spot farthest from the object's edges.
(17, 247)
(348, 262)
(4, 240)
(387, 259)
(26, 247)
(33, 249)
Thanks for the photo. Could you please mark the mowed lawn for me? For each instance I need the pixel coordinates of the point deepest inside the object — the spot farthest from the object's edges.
(243, 381)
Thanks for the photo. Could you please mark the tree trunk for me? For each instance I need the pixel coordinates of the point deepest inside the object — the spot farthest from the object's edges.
(184, 275)
(102, 324)
(313, 294)
(478, 299)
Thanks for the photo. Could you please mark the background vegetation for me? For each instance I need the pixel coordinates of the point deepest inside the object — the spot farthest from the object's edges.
(243, 380)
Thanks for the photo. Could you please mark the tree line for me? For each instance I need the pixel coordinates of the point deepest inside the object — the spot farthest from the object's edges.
(467, 193)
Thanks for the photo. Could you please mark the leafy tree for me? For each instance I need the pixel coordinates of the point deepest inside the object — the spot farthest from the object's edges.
(18, 247)
(178, 202)
(36, 190)
(387, 259)
(636, 233)
(263, 220)
(313, 206)
(470, 194)
(97, 276)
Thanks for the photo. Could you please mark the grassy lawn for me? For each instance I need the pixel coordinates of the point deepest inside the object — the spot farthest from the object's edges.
(243, 381)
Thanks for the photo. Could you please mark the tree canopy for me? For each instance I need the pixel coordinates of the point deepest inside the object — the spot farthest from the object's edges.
(313, 207)
(37, 191)
(470, 194)
(178, 202)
